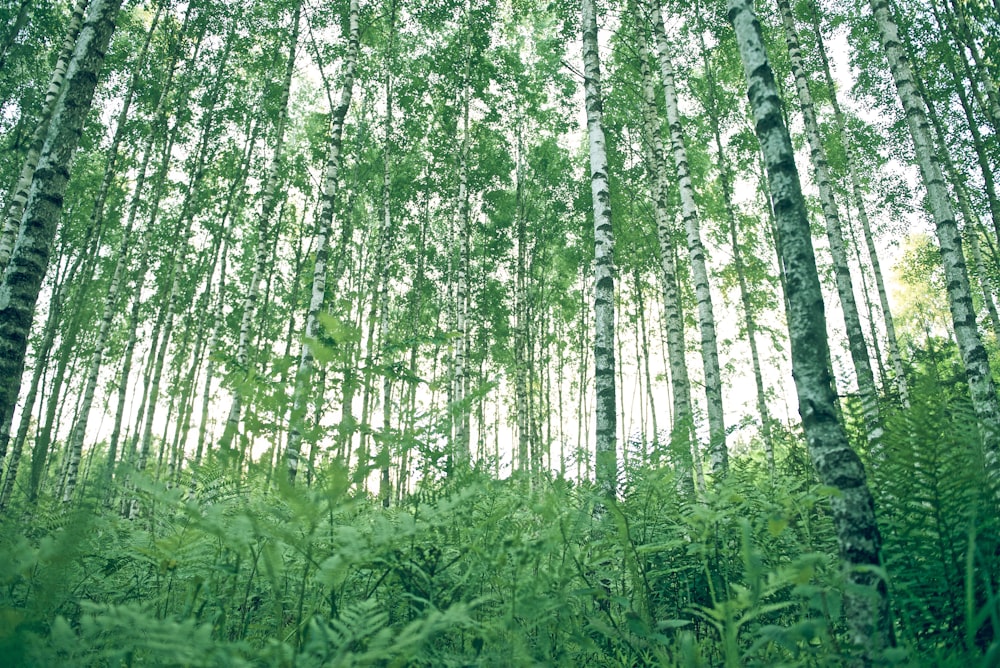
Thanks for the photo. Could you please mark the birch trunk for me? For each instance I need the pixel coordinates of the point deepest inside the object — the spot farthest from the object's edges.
(19, 198)
(749, 316)
(41, 360)
(22, 278)
(974, 358)
(834, 233)
(895, 357)
(387, 237)
(324, 220)
(865, 600)
(521, 316)
(718, 452)
(682, 432)
(268, 206)
(179, 260)
(606, 470)
(981, 73)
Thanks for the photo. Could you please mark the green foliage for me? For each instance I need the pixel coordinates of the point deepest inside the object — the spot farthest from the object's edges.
(473, 571)
(938, 518)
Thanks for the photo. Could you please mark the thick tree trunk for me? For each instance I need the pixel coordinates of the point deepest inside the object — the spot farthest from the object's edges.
(866, 601)
(604, 284)
(974, 358)
(22, 278)
(15, 208)
(324, 220)
(717, 450)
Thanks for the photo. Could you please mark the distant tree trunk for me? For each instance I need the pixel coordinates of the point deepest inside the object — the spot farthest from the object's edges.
(267, 208)
(974, 358)
(178, 260)
(22, 278)
(834, 233)
(866, 600)
(946, 27)
(521, 314)
(979, 74)
(643, 343)
(717, 450)
(859, 201)
(383, 261)
(604, 285)
(324, 219)
(459, 253)
(749, 315)
(682, 432)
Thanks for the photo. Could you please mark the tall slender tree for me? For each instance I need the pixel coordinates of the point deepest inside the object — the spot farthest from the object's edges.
(22, 278)
(867, 606)
(974, 358)
(835, 235)
(324, 222)
(604, 283)
(717, 449)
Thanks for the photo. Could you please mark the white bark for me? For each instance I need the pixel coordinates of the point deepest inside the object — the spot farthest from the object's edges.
(29, 260)
(268, 206)
(682, 432)
(15, 208)
(835, 235)
(324, 223)
(866, 601)
(604, 285)
(895, 358)
(717, 450)
(974, 358)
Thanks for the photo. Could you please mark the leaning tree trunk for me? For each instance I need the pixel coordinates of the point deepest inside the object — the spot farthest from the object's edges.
(22, 278)
(974, 358)
(718, 453)
(834, 233)
(859, 201)
(865, 600)
(324, 218)
(682, 433)
(604, 284)
(15, 208)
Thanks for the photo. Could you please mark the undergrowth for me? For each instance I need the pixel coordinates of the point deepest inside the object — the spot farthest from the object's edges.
(473, 571)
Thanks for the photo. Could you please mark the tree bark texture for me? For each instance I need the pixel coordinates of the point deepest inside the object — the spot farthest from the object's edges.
(866, 602)
(604, 285)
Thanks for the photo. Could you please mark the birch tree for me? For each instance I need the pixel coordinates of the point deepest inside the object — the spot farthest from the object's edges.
(604, 284)
(866, 602)
(974, 357)
(835, 235)
(718, 452)
(22, 278)
(324, 223)
(267, 209)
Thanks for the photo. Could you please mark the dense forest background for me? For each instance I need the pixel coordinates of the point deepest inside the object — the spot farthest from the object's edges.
(499, 333)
